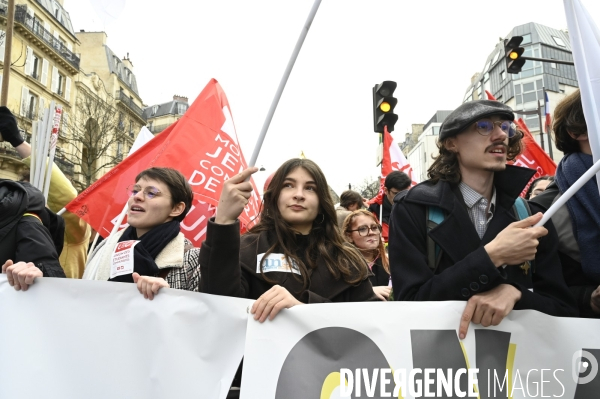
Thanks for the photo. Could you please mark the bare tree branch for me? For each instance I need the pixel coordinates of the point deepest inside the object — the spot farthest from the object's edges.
(96, 130)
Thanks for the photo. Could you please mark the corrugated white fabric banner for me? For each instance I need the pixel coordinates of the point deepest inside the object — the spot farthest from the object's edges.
(76, 339)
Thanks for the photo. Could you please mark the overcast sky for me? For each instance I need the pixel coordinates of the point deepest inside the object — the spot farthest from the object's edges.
(432, 48)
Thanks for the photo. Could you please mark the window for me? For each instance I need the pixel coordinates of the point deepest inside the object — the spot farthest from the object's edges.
(531, 68)
(31, 106)
(495, 58)
(526, 39)
(154, 109)
(181, 108)
(528, 95)
(119, 149)
(559, 41)
(60, 85)
(121, 121)
(502, 75)
(130, 128)
(36, 66)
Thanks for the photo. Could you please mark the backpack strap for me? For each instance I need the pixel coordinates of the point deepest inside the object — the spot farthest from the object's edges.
(521, 209)
(435, 216)
(33, 215)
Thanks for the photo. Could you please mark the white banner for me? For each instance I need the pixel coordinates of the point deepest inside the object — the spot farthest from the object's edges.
(378, 347)
(76, 339)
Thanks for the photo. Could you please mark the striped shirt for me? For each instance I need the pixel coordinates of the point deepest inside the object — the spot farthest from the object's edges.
(477, 207)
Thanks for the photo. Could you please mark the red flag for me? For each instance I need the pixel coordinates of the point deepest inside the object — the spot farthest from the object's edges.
(490, 96)
(533, 157)
(393, 159)
(202, 145)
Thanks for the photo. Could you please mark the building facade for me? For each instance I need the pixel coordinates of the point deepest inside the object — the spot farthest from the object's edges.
(102, 108)
(43, 68)
(161, 116)
(420, 152)
(525, 91)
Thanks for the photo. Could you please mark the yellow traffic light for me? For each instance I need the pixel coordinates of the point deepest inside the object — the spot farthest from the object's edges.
(385, 107)
(513, 55)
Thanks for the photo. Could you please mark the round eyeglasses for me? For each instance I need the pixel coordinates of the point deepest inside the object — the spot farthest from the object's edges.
(149, 192)
(485, 127)
(364, 230)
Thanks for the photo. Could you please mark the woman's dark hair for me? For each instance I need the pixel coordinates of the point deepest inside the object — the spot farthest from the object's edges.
(533, 183)
(380, 248)
(569, 118)
(179, 188)
(325, 240)
(350, 197)
(445, 167)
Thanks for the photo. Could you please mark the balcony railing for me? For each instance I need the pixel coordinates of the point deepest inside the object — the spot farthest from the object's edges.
(129, 102)
(38, 30)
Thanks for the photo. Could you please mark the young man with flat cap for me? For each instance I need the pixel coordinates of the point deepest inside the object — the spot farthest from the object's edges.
(482, 245)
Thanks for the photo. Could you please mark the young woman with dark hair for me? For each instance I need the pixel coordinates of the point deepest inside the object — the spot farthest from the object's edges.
(362, 229)
(294, 255)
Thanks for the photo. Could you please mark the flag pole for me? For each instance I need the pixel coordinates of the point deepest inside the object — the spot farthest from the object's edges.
(8, 39)
(569, 193)
(286, 75)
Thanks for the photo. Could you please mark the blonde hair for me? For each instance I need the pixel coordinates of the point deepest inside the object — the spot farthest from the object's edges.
(347, 226)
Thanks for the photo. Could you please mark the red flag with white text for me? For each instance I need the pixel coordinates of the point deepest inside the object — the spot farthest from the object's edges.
(202, 145)
(533, 157)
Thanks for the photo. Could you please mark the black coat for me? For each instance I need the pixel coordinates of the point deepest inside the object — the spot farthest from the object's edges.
(379, 277)
(25, 238)
(580, 285)
(465, 268)
(228, 265)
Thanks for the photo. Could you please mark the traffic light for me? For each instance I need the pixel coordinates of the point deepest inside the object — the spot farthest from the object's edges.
(513, 52)
(383, 106)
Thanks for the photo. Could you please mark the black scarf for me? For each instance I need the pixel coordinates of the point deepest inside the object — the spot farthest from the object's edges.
(150, 245)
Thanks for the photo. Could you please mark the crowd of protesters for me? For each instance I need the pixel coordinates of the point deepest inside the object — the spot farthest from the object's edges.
(479, 249)
(464, 234)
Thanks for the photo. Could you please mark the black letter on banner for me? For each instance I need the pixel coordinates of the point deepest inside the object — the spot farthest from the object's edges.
(491, 351)
(439, 349)
(322, 352)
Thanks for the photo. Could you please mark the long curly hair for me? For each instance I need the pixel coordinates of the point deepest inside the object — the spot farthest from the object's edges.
(347, 226)
(445, 166)
(325, 240)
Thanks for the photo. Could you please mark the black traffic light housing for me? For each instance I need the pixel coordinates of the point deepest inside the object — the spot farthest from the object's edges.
(513, 53)
(383, 106)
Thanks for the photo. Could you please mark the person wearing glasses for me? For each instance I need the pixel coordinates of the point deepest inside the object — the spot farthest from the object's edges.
(395, 183)
(151, 251)
(482, 248)
(362, 229)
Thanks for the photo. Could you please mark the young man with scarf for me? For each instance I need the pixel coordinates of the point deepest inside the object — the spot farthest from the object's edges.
(578, 221)
(158, 253)
(483, 248)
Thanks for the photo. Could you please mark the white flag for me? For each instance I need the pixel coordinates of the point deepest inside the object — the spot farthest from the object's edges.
(585, 43)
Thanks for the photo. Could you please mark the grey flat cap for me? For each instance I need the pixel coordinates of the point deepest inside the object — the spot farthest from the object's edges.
(468, 113)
